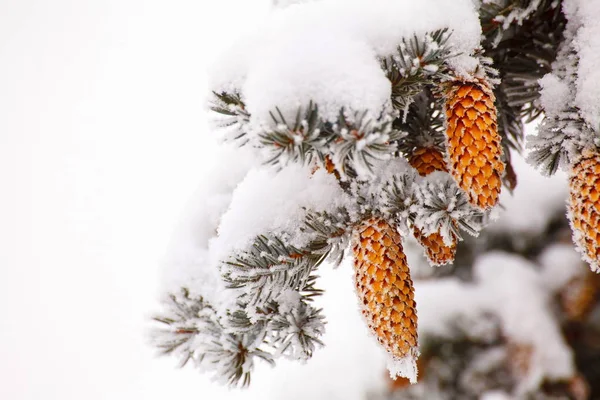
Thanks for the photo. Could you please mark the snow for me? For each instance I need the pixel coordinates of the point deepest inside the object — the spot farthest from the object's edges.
(495, 395)
(511, 288)
(561, 263)
(555, 93)
(302, 53)
(277, 81)
(273, 201)
(587, 43)
(525, 211)
(187, 263)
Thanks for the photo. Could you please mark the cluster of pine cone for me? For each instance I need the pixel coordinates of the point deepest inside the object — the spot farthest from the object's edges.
(474, 154)
(382, 275)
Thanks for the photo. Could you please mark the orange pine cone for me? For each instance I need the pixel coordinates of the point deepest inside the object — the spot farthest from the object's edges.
(435, 249)
(580, 296)
(584, 208)
(519, 357)
(427, 160)
(473, 142)
(384, 287)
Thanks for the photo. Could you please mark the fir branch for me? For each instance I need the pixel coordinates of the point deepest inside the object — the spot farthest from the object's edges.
(360, 140)
(191, 330)
(268, 267)
(424, 124)
(400, 199)
(231, 116)
(297, 330)
(297, 142)
(330, 233)
(522, 38)
(419, 61)
(443, 206)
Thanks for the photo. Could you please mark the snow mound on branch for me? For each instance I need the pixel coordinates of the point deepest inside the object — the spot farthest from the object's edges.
(587, 43)
(317, 66)
(273, 201)
(554, 92)
(187, 261)
(326, 52)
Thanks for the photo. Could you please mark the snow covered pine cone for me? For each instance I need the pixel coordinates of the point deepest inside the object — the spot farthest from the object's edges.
(473, 141)
(584, 207)
(427, 160)
(385, 289)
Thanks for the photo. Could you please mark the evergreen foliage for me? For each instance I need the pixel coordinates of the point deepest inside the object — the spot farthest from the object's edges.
(272, 281)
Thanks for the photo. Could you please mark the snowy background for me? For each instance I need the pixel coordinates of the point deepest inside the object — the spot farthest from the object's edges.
(102, 143)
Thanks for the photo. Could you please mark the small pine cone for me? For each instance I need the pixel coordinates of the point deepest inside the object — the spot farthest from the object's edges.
(584, 208)
(384, 287)
(519, 357)
(580, 295)
(427, 160)
(473, 142)
(435, 249)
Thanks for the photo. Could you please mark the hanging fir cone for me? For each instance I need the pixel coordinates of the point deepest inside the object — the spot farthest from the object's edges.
(385, 289)
(579, 297)
(519, 357)
(584, 207)
(435, 249)
(473, 141)
(427, 160)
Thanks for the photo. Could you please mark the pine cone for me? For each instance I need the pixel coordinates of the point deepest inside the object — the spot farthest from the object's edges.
(427, 160)
(519, 357)
(584, 208)
(435, 249)
(580, 295)
(384, 287)
(473, 142)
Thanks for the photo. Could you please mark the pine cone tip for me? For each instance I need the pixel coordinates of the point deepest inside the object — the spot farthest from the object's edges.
(404, 367)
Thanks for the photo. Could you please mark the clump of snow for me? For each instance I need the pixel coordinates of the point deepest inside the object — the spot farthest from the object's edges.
(555, 94)
(560, 263)
(317, 66)
(495, 395)
(187, 259)
(587, 43)
(273, 201)
(327, 52)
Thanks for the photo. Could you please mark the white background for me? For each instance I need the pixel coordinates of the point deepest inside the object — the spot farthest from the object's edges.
(102, 141)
